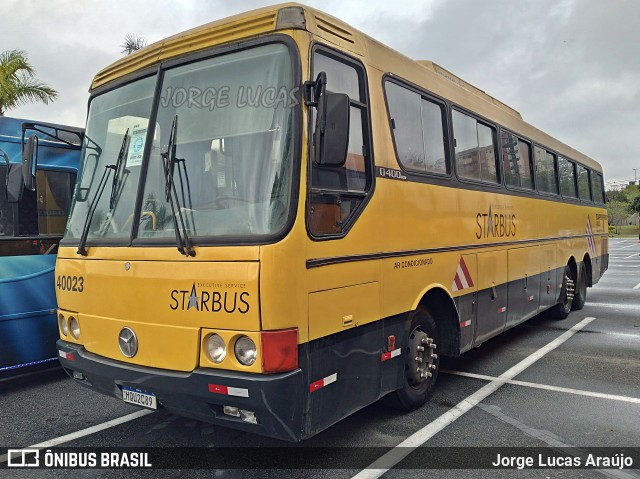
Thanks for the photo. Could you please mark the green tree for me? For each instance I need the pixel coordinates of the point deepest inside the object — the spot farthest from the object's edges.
(634, 206)
(615, 195)
(618, 214)
(18, 84)
(631, 192)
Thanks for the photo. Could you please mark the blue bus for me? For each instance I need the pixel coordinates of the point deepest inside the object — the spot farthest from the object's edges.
(35, 199)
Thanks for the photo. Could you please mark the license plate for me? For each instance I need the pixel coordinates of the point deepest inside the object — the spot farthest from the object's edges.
(139, 397)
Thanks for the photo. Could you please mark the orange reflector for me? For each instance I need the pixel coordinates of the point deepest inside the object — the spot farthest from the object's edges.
(391, 343)
(279, 350)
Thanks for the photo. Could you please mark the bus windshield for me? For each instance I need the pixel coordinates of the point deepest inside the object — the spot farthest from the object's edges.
(232, 160)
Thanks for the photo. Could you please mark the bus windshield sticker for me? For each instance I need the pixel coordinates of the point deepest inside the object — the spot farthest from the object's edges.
(136, 145)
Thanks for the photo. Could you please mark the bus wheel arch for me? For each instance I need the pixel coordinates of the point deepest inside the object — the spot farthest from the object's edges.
(438, 302)
(433, 331)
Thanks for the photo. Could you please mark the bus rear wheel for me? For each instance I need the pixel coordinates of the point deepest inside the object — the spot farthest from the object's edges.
(563, 308)
(421, 364)
(580, 295)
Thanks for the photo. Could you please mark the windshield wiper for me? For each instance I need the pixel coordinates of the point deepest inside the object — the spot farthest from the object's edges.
(169, 158)
(82, 250)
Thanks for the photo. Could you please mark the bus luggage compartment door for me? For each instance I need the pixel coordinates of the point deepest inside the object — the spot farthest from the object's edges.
(524, 283)
(491, 311)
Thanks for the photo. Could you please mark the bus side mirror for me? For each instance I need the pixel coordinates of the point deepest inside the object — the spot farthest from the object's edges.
(29, 162)
(331, 137)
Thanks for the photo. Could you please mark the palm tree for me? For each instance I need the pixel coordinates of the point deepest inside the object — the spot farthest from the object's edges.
(18, 84)
(132, 43)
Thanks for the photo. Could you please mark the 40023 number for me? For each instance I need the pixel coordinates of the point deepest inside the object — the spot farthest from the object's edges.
(70, 283)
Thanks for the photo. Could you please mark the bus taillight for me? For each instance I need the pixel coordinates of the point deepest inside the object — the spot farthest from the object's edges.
(279, 350)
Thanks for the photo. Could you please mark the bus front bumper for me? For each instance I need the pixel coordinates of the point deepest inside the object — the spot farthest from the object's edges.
(277, 400)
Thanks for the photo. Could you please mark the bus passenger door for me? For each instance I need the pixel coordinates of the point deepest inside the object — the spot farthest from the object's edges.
(491, 310)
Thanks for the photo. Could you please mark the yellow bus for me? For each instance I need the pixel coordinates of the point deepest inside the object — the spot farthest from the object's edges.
(299, 221)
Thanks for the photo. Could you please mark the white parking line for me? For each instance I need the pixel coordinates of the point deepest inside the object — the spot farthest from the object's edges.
(406, 447)
(551, 440)
(548, 387)
(594, 304)
(634, 255)
(637, 286)
(85, 432)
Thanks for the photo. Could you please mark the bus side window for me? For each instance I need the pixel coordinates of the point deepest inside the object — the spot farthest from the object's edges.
(567, 170)
(337, 192)
(475, 148)
(28, 214)
(546, 171)
(6, 209)
(516, 161)
(54, 192)
(596, 187)
(584, 191)
(417, 124)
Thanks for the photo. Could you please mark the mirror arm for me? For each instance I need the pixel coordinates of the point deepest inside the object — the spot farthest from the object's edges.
(315, 89)
(309, 87)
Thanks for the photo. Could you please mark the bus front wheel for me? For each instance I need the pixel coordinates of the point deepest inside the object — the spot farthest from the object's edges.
(421, 365)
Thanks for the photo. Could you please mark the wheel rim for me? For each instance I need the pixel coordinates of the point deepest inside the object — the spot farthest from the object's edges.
(569, 289)
(421, 359)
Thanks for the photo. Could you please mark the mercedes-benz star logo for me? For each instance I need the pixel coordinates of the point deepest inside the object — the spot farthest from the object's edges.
(128, 342)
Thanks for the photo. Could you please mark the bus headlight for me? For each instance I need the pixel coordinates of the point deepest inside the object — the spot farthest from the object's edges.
(74, 327)
(63, 325)
(245, 350)
(216, 349)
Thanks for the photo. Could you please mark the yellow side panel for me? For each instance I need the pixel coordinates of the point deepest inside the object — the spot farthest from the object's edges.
(546, 258)
(524, 262)
(339, 309)
(492, 269)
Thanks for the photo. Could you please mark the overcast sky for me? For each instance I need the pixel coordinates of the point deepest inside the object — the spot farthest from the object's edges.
(571, 67)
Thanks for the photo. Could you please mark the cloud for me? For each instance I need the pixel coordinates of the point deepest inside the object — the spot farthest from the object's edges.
(570, 67)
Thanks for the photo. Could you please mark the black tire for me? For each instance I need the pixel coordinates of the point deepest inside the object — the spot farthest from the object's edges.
(416, 389)
(580, 296)
(563, 308)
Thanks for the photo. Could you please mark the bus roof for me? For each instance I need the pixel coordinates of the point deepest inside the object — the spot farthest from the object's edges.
(423, 73)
